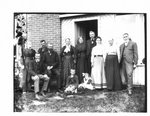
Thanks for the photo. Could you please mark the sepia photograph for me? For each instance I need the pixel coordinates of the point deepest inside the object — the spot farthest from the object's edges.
(84, 62)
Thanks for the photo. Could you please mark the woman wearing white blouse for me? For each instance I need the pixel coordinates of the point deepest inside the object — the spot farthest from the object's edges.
(112, 67)
(97, 62)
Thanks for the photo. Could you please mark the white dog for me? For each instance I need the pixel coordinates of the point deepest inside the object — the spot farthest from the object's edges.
(87, 84)
(71, 89)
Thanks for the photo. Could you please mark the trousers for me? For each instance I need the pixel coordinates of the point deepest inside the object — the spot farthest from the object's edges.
(127, 74)
(56, 73)
(37, 83)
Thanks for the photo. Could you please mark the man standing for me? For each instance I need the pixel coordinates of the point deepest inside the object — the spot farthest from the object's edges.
(41, 51)
(129, 59)
(90, 44)
(51, 62)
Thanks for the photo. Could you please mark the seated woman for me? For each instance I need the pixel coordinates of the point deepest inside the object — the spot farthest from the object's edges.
(87, 84)
(72, 82)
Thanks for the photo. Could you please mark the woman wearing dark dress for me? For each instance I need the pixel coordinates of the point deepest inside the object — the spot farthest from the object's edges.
(29, 56)
(68, 59)
(112, 67)
(21, 62)
(80, 55)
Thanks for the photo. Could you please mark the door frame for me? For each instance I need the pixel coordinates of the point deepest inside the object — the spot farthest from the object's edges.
(84, 19)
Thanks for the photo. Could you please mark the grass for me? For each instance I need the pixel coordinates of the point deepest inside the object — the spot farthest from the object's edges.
(89, 101)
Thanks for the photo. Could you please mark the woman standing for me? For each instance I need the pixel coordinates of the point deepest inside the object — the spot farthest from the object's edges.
(112, 67)
(97, 63)
(21, 62)
(67, 55)
(80, 54)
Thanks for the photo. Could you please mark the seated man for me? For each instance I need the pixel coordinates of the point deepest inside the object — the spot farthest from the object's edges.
(36, 78)
(51, 62)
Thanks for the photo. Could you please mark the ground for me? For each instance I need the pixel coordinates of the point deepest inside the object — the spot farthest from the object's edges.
(88, 101)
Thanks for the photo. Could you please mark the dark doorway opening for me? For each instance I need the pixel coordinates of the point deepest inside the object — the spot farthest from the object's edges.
(82, 28)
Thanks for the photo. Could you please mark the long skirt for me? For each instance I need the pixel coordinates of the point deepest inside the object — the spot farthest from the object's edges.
(112, 73)
(67, 65)
(98, 74)
(80, 68)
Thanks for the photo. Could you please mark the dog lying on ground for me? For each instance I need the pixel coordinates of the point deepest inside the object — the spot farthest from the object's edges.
(71, 89)
(87, 82)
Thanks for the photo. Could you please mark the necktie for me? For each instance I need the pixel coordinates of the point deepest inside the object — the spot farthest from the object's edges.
(92, 41)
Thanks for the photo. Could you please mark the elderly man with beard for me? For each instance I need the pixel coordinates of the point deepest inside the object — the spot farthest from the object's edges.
(51, 62)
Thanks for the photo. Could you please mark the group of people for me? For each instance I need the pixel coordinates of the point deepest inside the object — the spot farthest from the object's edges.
(38, 66)
(109, 67)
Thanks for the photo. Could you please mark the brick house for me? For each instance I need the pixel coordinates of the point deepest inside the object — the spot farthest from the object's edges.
(54, 28)
(44, 26)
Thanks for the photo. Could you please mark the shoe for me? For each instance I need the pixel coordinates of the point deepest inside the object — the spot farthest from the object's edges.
(37, 97)
(129, 92)
(124, 87)
(61, 91)
(49, 90)
(58, 97)
(43, 94)
(109, 90)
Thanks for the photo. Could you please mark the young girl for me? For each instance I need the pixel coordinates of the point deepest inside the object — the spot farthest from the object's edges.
(72, 82)
(87, 84)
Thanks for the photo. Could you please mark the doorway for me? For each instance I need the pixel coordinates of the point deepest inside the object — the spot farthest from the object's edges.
(82, 28)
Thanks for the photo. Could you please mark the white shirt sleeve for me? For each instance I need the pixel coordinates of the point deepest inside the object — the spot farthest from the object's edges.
(118, 53)
(105, 50)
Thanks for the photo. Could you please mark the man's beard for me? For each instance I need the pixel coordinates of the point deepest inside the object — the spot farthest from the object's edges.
(37, 61)
(50, 49)
(43, 46)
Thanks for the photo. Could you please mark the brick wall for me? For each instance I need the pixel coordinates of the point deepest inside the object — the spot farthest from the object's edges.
(44, 26)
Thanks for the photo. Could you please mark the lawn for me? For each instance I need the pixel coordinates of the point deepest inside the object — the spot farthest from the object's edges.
(88, 101)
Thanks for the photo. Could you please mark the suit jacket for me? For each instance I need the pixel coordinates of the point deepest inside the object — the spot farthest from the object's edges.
(89, 46)
(35, 69)
(131, 55)
(51, 58)
(41, 51)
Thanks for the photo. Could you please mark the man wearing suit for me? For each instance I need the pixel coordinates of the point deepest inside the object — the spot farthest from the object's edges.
(89, 45)
(41, 51)
(129, 59)
(51, 62)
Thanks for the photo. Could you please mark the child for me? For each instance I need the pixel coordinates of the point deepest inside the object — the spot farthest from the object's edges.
(72, 82)
(87, 84)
